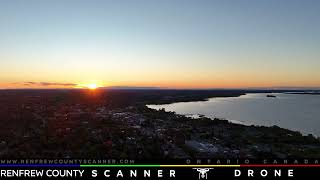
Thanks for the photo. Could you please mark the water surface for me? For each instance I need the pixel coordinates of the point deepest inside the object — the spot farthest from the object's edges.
(300, 112)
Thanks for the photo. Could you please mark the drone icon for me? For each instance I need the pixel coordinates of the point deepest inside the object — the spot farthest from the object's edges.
(203, 172)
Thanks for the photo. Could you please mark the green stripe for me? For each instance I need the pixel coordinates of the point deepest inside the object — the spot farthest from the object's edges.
(119, 165)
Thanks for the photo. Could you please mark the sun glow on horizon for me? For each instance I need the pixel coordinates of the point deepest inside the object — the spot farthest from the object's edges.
(92, 86)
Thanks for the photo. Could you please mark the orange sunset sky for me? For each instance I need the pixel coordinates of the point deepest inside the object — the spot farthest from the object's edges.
(167, 44)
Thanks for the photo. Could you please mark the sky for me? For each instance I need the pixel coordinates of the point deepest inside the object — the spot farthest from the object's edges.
(152, 43)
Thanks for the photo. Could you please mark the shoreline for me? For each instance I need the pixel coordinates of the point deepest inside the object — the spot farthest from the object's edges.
(206, 137)
(269, 141)
(235, 121)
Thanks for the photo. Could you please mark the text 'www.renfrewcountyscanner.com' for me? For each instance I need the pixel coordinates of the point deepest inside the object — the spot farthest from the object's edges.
(66, 161)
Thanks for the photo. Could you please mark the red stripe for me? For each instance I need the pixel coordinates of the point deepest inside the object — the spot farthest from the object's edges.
(279, 165)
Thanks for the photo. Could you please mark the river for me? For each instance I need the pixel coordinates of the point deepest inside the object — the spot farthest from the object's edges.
(299, 112)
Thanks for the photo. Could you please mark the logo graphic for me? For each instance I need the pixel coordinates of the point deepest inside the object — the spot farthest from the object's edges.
(203, 172)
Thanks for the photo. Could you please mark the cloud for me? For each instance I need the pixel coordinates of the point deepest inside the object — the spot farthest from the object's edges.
(48, 84)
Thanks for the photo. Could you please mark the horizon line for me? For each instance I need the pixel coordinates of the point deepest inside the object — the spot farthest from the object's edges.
(170, 88)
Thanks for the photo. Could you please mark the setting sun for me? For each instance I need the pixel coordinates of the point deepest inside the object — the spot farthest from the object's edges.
(92, 86)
